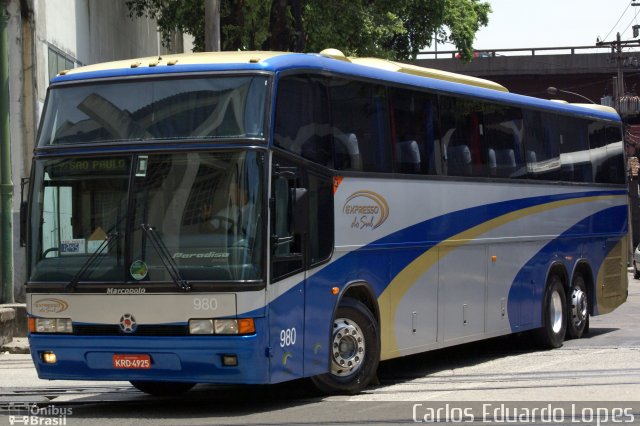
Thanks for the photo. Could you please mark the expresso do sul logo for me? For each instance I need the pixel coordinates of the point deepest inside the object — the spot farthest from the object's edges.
(50, 306)
(368, 209)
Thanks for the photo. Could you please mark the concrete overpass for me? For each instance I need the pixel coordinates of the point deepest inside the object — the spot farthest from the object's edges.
(529, 71)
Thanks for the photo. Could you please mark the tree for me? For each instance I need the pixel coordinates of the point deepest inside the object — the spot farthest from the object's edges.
(395, 29)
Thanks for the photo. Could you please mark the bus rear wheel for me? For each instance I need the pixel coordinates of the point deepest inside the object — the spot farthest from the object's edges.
(355, 350)
(578, 308)
(554, 315)
(162, 388)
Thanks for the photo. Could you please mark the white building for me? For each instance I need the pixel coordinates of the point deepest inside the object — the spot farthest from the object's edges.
(45, 37)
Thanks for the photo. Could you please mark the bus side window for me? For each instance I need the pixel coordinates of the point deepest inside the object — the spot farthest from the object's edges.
(321, 231)
(575, 162)
(462, 138)
(413, 122)
(503, 141)
(286, 244)
(360, 124)
(606, 151)
(542, 154)
(302, 118)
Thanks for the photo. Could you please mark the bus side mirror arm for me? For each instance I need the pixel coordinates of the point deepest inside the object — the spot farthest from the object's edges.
(24, 209)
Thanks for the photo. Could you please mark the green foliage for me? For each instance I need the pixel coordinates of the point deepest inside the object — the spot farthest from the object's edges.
(186, 16)
(392, 29)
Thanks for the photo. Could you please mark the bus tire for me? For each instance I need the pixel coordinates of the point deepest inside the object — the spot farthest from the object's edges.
(355, 350)
(162, 388)
(554, 315)
(577, 308)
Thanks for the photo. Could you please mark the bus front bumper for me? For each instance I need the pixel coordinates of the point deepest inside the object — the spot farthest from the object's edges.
(195, 359)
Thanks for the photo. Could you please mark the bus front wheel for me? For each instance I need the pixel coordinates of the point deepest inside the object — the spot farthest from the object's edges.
(162, 388)
(554, 314)
(355, 350)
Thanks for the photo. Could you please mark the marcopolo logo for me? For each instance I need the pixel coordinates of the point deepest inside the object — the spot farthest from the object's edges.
(118, 291)
(50, 306)
(368, 209)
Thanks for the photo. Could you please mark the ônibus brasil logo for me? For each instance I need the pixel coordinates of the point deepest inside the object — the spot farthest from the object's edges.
(369, 209)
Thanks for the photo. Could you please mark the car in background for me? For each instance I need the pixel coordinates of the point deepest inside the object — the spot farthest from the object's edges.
(636, 263)
(478, 55)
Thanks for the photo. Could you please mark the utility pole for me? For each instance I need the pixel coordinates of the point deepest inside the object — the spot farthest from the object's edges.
(212, 25)
(6, 184)
(616, 49)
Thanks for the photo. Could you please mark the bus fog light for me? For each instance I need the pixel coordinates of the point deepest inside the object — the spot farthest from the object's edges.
(230, 360)
(226, 326)
(201, 326)
(49, 357)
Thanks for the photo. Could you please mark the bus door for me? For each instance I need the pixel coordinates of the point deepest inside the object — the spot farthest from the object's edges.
(288, 213)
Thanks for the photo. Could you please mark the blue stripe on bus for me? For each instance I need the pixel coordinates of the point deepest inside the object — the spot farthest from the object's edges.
(434, 231)
(355, 265)
(525, 296)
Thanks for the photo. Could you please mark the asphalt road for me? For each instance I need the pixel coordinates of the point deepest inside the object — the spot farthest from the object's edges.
(594, 380)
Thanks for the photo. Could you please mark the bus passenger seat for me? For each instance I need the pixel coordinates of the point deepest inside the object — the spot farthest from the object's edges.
(458, 160)
(408, 157)
(347, 152)
(502, 162)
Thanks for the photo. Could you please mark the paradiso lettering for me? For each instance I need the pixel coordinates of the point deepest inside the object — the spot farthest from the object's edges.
(369, 210)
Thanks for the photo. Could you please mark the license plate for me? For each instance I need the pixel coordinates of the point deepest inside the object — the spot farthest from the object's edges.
(131, 361)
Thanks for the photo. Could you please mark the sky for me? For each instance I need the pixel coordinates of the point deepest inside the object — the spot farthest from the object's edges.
(554, 23)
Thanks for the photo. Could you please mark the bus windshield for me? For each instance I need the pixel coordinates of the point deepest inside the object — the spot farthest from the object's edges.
(129, 218)
(186, 108)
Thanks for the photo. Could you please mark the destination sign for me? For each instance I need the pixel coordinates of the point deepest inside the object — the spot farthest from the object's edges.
(90, 166)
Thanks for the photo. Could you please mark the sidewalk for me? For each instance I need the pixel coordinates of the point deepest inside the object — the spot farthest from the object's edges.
(18, 345)
(13, 328)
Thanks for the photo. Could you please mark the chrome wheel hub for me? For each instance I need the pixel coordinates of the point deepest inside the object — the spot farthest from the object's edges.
(347, 347)
(555, 312)
(579, 306)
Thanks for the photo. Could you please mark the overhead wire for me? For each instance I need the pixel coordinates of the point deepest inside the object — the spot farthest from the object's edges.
(616, 24)
(634, 19)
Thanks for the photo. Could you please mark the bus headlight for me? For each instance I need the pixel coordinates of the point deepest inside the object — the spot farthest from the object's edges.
(222, 326)
(201, 326)
(51, 325)
(226, 326)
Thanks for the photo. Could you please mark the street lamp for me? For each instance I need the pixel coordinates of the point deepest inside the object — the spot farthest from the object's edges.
(554, 92)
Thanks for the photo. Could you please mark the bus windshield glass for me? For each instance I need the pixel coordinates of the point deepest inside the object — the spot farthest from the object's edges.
(138, 218)
(161, 109)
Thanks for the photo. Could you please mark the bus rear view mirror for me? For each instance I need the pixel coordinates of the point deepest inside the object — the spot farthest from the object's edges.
(23, 223)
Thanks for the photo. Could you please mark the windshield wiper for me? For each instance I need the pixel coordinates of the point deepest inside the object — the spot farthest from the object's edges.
(108, 242)
(165, 256)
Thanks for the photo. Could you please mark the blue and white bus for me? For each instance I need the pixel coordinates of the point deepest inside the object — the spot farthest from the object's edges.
(258, 217)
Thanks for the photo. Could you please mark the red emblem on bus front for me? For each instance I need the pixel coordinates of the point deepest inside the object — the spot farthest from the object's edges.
(128, 323)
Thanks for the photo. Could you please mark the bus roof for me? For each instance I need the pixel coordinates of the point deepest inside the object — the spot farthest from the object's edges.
(330, 60)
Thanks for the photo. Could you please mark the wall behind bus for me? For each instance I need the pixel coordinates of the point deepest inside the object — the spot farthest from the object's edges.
(45, 37)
